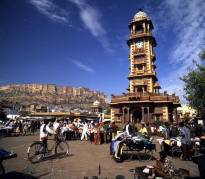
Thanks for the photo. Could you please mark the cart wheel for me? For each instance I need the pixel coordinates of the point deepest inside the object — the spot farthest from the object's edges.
(149, 154)
(176, 151)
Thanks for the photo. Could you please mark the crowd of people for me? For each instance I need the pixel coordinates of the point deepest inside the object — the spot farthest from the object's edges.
(185, 136)
(21, 127)
(95, 132)
(185, 133)
(99, 132)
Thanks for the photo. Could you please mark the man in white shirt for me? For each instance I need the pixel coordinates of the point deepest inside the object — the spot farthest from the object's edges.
(56, 124)
(44, 131)
(128, 128)
(84, 133)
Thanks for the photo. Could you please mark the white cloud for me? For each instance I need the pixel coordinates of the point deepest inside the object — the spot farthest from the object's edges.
(91, 17)
(50, 10)
(83, 66)
(187, 20)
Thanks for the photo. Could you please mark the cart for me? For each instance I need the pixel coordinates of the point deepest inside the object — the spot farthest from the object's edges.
(133, 146)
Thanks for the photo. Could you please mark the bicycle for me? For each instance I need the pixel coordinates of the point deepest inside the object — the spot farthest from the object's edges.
(37, 150)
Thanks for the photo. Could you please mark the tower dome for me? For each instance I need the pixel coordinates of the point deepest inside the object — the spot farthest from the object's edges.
(140, 15)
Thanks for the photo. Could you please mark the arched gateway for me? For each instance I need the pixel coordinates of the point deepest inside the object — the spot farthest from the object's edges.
(144, 102)
(136, 115)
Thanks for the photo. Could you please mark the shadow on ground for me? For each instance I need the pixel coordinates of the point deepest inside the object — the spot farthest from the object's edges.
(17, 175)
(57, 156)
(96, 177)
(53, 157)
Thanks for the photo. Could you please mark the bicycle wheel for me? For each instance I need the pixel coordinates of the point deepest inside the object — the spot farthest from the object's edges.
(62, 149)
(62, 136)
(36, 152)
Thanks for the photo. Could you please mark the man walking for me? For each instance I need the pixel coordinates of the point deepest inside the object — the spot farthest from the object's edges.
(186, 140)
(128, 128)
(85, 131)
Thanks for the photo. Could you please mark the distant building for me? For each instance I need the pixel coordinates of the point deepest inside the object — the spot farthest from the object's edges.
(186, 112)
(34, 108)
(143, 102)
(96, 107)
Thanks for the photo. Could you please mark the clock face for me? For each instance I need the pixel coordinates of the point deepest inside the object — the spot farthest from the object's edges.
(139, 44)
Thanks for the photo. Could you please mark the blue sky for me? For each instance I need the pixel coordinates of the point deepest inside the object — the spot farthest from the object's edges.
(83, 42)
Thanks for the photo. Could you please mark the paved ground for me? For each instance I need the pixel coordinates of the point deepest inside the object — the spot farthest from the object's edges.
(84, 161)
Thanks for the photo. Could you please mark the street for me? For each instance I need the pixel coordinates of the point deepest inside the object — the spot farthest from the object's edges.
(87, 160)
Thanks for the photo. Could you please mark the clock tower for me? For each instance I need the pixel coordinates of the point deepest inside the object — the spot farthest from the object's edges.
(142, 77)
(143, 102)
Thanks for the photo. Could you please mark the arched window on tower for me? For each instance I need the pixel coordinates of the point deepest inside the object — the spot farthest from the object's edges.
(139, 28)
(139, 89)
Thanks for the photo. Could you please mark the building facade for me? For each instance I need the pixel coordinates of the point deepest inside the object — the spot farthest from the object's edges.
(143, 102)
(96, 108)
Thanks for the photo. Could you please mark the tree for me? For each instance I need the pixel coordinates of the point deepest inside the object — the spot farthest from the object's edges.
(195, 86)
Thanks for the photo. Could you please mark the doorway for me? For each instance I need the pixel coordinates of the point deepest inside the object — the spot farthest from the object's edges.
(137, 115)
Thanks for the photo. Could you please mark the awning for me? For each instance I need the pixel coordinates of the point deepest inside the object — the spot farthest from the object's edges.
(106, 120)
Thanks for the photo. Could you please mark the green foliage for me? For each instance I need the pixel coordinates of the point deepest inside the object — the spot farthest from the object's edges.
(195, 86)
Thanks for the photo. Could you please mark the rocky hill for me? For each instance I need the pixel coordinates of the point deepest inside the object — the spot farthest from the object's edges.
(51, 95)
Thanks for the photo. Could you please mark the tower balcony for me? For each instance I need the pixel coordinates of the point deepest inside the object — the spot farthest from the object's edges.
(140, 34)
(146, 96)
(141, 73)
(154, 73)
(139, 52)
(139, 61)
(140, 83)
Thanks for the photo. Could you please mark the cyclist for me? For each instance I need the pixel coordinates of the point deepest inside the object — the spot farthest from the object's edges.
(56, 125)
(45, 130)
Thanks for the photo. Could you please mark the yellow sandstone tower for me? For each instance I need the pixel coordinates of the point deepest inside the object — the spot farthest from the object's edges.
(143, 102)
(142, 75)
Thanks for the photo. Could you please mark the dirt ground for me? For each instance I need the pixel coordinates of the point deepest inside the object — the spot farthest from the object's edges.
(87, 161)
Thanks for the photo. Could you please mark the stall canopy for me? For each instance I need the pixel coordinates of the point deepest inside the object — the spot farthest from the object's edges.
(12, 116)
(106, 120)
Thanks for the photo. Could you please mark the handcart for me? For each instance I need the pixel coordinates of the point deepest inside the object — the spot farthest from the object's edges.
(132, 146)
